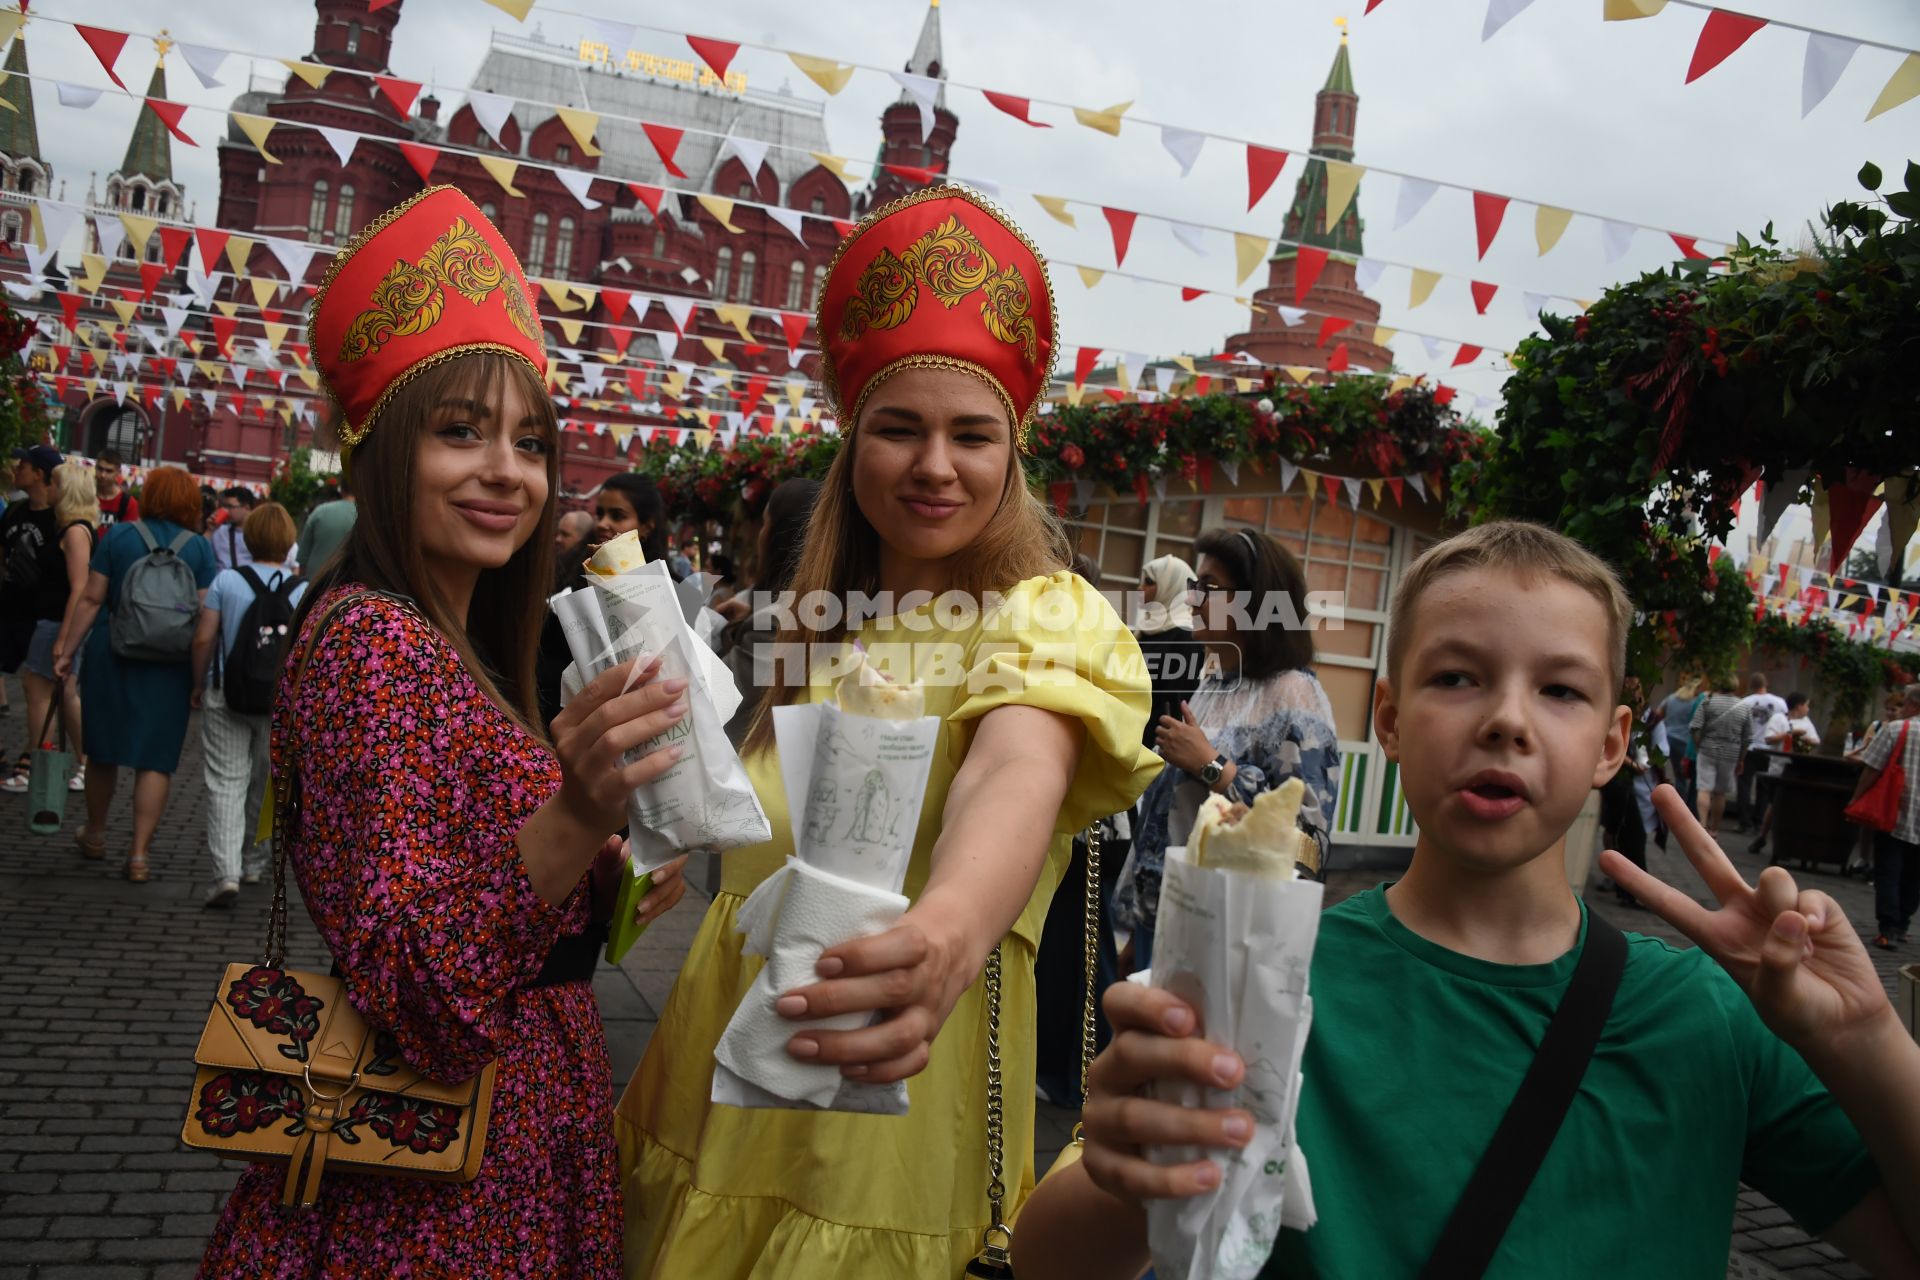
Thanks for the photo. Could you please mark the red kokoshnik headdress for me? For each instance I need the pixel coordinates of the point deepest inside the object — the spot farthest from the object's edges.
(426, 281)
(938, 279)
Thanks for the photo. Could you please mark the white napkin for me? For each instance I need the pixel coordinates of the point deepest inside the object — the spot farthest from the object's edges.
(794, 916)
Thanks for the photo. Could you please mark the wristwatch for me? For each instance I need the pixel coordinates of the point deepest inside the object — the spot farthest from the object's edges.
(1211, 771)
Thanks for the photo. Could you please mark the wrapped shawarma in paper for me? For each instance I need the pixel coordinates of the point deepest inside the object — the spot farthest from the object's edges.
(855, 771)
(1235, 940)
(629, 609)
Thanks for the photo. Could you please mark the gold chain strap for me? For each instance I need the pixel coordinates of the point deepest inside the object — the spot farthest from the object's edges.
(1089, 970)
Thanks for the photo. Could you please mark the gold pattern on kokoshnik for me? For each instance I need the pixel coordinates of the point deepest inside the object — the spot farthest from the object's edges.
(411, 297)
(953, 265)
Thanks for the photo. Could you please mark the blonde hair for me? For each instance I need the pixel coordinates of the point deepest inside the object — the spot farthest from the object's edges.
(75, 499)
(269, 533)
(1531, 550)
(841, 555)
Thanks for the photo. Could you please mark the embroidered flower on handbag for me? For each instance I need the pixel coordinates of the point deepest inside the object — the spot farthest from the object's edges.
(243, 1101)
(274, 1001)
(405, 1122)
(386, 1055)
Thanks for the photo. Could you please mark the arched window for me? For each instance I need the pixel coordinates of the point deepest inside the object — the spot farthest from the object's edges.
(746, 191)
(819, 283)
(317, 210)
(563, 154)
(353, 37)
(818, 204)
(746, 278)
(493, 214)
(563, 248)
(659, 242)
(343, 223)
(797, 285)
(10, 227)
(537, 247)
(722, 271)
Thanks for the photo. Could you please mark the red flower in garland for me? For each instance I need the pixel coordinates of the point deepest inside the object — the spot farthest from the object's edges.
(1072, 457)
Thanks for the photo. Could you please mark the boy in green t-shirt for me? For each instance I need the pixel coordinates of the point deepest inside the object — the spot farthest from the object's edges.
(1431, 995)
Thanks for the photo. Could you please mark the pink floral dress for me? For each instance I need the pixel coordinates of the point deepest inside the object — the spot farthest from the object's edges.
(414, 787)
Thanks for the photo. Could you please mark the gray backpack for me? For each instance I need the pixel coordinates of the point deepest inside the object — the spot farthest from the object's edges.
(159, 603)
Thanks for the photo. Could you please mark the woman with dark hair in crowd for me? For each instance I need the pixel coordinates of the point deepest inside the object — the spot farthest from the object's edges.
(756, 612)
(1258, 717)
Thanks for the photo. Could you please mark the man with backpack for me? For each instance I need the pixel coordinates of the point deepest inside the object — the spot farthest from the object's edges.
(238, 651)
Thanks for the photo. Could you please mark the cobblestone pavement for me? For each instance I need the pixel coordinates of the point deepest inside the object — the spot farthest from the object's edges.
(104, 986)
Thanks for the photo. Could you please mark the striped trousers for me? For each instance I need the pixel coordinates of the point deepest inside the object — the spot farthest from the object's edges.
(235, 747)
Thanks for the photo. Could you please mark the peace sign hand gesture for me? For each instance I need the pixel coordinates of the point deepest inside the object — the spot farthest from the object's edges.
(1792, 951)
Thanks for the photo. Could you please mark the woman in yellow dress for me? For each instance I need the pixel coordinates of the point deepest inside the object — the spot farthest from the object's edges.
(938, 331)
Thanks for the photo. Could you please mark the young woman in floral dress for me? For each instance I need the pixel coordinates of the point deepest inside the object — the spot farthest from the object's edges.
(443, 846)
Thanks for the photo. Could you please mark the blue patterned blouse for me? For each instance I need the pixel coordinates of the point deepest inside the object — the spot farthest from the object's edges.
(1272, 729)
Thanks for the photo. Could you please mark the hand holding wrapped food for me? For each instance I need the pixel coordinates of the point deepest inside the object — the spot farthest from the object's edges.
(1263, 840)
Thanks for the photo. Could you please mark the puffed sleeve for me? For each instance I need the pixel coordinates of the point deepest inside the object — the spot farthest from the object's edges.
(417, 887)
(1056, 644)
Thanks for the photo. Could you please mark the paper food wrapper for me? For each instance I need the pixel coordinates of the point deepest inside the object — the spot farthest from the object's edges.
(1236, 943)
(855, 785)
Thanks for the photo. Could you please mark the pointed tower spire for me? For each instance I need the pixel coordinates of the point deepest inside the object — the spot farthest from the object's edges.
(1334, 109)
(19, 134)
(927, 59)
(150, 151)
(913, 155)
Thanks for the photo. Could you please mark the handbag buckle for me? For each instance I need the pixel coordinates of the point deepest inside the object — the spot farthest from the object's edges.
(307, 1073)
(996, 1254)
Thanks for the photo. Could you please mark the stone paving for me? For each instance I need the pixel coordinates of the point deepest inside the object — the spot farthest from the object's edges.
(104, 985)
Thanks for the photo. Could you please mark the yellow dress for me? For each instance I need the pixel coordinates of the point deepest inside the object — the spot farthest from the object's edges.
(718, 1193)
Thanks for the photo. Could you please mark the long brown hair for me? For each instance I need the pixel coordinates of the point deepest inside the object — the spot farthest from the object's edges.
(842, 556)
(500, 636)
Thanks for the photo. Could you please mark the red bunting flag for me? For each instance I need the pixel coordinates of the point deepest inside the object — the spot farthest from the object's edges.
(1338, 362)
(170, 113)
(173, 243)
(1189, 294)
(621, 336)
(1443, 395)
(1371, 6)
(106, 46)
(1850, 505)
(615, 301)
(1120, 222)
(223, 327)
(1082, 363)
(151, 274)
(841, 225)
(1688, 246)
(1466, 355)
(665, 142)
(70, 311)
(1330, 326)
(1332, 484)
(1263, 166)
(1306, 271)
(922, 174)
(648, 196)
(1018, 108)
(794, 325)
(1482, 294)
(717, 54)
(1488, 210)
(1723, 33)
(421, 158)
(752, 348)
(400, 93)
(375, 6)
(1399, 486)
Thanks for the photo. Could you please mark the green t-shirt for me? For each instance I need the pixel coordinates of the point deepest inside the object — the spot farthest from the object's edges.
(1416, 1051)
(327, 527)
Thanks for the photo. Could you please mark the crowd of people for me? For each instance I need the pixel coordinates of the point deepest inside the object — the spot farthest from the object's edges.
(393, 664)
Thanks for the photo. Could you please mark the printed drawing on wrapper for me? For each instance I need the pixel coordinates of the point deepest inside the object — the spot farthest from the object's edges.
(823, 807)
(869, 825)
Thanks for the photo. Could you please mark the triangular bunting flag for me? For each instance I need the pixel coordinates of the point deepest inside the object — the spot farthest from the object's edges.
(501, 170)
(1422, 287)
(665, 142)
(106, 46)
(1309, 262)
(717, 54)
(1249, 251)
(1019, 108)
(421, 158)
(1723, 33)
(831, 76)
(1488, 210)
(1057, 207)
(401, 93)
(1549, 224)
(1263, 166)
(1343, 180)
(342, 141)
(581, 125)
(492, 110)
(314, 73)
(257, 128)
(1107, 122)
(1120, 222)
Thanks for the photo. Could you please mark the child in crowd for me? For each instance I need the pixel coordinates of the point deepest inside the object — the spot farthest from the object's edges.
(1432, 994)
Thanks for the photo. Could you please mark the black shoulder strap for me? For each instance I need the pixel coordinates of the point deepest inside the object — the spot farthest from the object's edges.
(252, 578)
(1526, 1132)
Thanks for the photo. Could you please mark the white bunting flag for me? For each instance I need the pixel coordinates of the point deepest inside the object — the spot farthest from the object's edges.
(578, 182)
(76, 95)
(1499, 14)
(1827, 57)
(1414, 194)
(25, 292)
(1183, 145)
(1419, 484)
(56, 220)
(1615, 237)
(1191, 236)
(1287, 472)
(1230, 467)
(1163, 379)
(669, 343)
(681, 309)
(205, 62)
(1536, 303)
(752, 152)
(491, 110)
(1367, 273)
(341, 140)
(792, 219)
(37, 260)
(1434, 346)
(112, 234)
(294, 256)
(1291, 316)
(923, 90)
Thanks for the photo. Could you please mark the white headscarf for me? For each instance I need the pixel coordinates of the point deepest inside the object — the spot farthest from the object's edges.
(1170, 608)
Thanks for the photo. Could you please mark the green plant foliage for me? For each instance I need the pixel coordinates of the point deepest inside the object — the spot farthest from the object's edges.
(1636, 426)
(296, 486)
(1851, 674)
(27, 412)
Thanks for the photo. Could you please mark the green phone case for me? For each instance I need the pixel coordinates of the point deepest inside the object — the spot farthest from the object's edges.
(623, 932)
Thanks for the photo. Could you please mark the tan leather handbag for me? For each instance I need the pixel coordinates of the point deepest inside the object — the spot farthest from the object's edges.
(289, 1071)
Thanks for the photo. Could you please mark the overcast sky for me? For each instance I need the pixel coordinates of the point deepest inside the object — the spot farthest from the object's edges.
(1559, 108)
